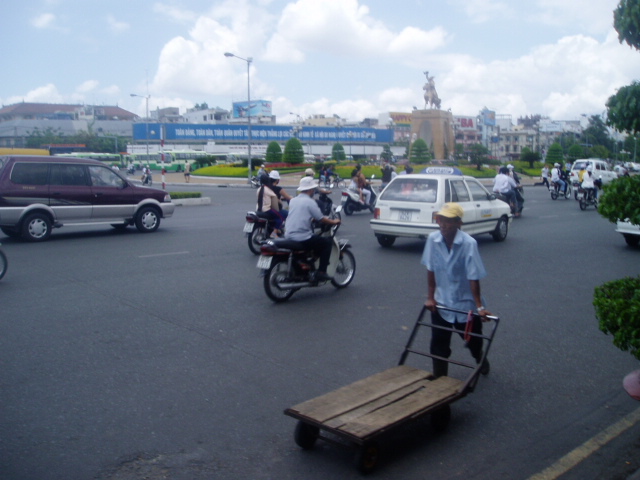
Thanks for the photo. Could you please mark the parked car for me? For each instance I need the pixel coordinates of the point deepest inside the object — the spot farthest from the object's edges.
(407, 206)
(601, 169)
(630, 232)
(38, 194)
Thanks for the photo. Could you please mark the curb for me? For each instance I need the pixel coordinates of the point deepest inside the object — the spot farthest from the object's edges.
(190, 202)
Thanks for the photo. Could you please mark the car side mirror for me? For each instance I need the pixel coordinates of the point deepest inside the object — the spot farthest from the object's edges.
(491, 196)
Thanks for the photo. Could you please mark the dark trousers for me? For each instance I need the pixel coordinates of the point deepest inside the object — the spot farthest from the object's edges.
(322, 247)
(441, 341)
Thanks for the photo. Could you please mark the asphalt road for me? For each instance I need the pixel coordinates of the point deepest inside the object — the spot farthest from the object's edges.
(131, 356)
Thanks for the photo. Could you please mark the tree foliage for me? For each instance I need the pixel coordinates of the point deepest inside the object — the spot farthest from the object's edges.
(479, 154)
(419, 152)
(575, 152)
(274, 153)
(527, 155)
(93, 143)
(293, 152)
(623, 108)
(554, 154)
(626, 21)
(386, 154)
(621, 200)
(337, 152)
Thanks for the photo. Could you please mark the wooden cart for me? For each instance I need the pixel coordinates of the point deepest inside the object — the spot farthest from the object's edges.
(359, 413)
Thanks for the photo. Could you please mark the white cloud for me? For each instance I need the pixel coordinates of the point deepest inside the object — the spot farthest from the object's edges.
(481, 11)
(44, 20)
(117, 26)
(88, 86)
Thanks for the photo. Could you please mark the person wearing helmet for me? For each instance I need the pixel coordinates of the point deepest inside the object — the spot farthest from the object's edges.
(588, 183)
(268, 206)
(302, 210)
(454, 271)
(506, 186)
(283, 196)
(310, 173)
(556, 177)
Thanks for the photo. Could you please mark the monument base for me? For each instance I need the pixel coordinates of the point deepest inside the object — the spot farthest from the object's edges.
(435, 127)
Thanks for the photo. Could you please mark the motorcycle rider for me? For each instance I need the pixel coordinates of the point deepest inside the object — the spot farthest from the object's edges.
(506, 186)
(302, 210)
(556, 177)
(519, 197)
(588, 184)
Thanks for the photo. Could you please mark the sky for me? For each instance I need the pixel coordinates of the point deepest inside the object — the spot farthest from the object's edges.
(352, 58)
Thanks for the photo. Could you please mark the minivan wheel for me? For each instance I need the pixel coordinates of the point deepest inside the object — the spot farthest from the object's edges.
(36, 227)
(147, 220)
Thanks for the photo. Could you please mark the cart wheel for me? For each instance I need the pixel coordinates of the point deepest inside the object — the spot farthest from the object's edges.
(367, 457)
(440, 418)
(306, 435)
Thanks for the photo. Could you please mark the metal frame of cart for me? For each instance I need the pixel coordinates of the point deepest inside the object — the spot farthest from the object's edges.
(362, 411)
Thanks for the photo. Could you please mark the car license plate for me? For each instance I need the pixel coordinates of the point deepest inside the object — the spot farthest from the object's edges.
(264, 262)
(405, 215)
(248, 227)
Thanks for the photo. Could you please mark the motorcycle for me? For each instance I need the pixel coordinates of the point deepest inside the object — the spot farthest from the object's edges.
(326, 205)
(351, 201)
(255, 182)
(131, 169)
(556, 192)
(147, 179)
(586, 198)
(258, 229)
(287, 267)
(3, 263)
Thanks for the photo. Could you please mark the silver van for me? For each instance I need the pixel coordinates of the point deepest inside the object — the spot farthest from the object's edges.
(38, 194)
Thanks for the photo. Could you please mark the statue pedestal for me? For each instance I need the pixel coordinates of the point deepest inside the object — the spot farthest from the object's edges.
(435, 127)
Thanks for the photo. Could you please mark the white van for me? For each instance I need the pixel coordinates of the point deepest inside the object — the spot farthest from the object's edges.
(601, 169)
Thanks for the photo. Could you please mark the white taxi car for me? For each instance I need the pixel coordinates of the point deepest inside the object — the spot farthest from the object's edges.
(407, 206)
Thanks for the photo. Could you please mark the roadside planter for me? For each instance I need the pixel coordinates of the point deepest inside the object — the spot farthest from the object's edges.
(617, 305)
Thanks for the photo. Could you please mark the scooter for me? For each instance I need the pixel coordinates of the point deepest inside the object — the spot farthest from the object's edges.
(147, 179)
(258, 229)
(4, 264)
(351, 201)
(556, 192)
(255, 182)
(287, 267)
(586, 198)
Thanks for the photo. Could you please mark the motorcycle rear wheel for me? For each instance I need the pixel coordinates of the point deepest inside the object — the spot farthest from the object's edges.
(255, 238)
(349, 208)
(276, 274)
(345, 271)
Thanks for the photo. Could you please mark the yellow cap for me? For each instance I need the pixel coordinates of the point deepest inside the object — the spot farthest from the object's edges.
(451, 210)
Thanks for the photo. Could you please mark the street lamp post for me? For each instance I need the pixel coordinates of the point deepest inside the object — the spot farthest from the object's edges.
(248, 60)
(146, 119)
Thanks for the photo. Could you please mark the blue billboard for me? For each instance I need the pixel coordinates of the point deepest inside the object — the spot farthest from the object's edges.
(259, 133)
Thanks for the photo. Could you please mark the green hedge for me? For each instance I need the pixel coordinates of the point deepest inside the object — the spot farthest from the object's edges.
(177, 195)
(617, 305)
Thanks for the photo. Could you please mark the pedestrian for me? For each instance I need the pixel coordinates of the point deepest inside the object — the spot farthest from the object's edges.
(187, 172)
(454, 270)
(545, 175)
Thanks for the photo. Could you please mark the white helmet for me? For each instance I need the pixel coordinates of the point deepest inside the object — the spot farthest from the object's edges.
(274, 175)
(556, 165)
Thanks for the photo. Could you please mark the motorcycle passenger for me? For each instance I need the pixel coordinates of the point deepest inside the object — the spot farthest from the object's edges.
(362, 184)
(386, 175)
(556, 177)
(506, 186)
(302, 210)
(588, 184)
(283, 196)
(268, 206)
(519, 197)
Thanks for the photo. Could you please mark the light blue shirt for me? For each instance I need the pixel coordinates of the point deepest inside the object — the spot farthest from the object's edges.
(302, 209)
(453, 271)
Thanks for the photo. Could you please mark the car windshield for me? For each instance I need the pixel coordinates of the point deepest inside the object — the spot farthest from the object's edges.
(579, 165)
(411, 189)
